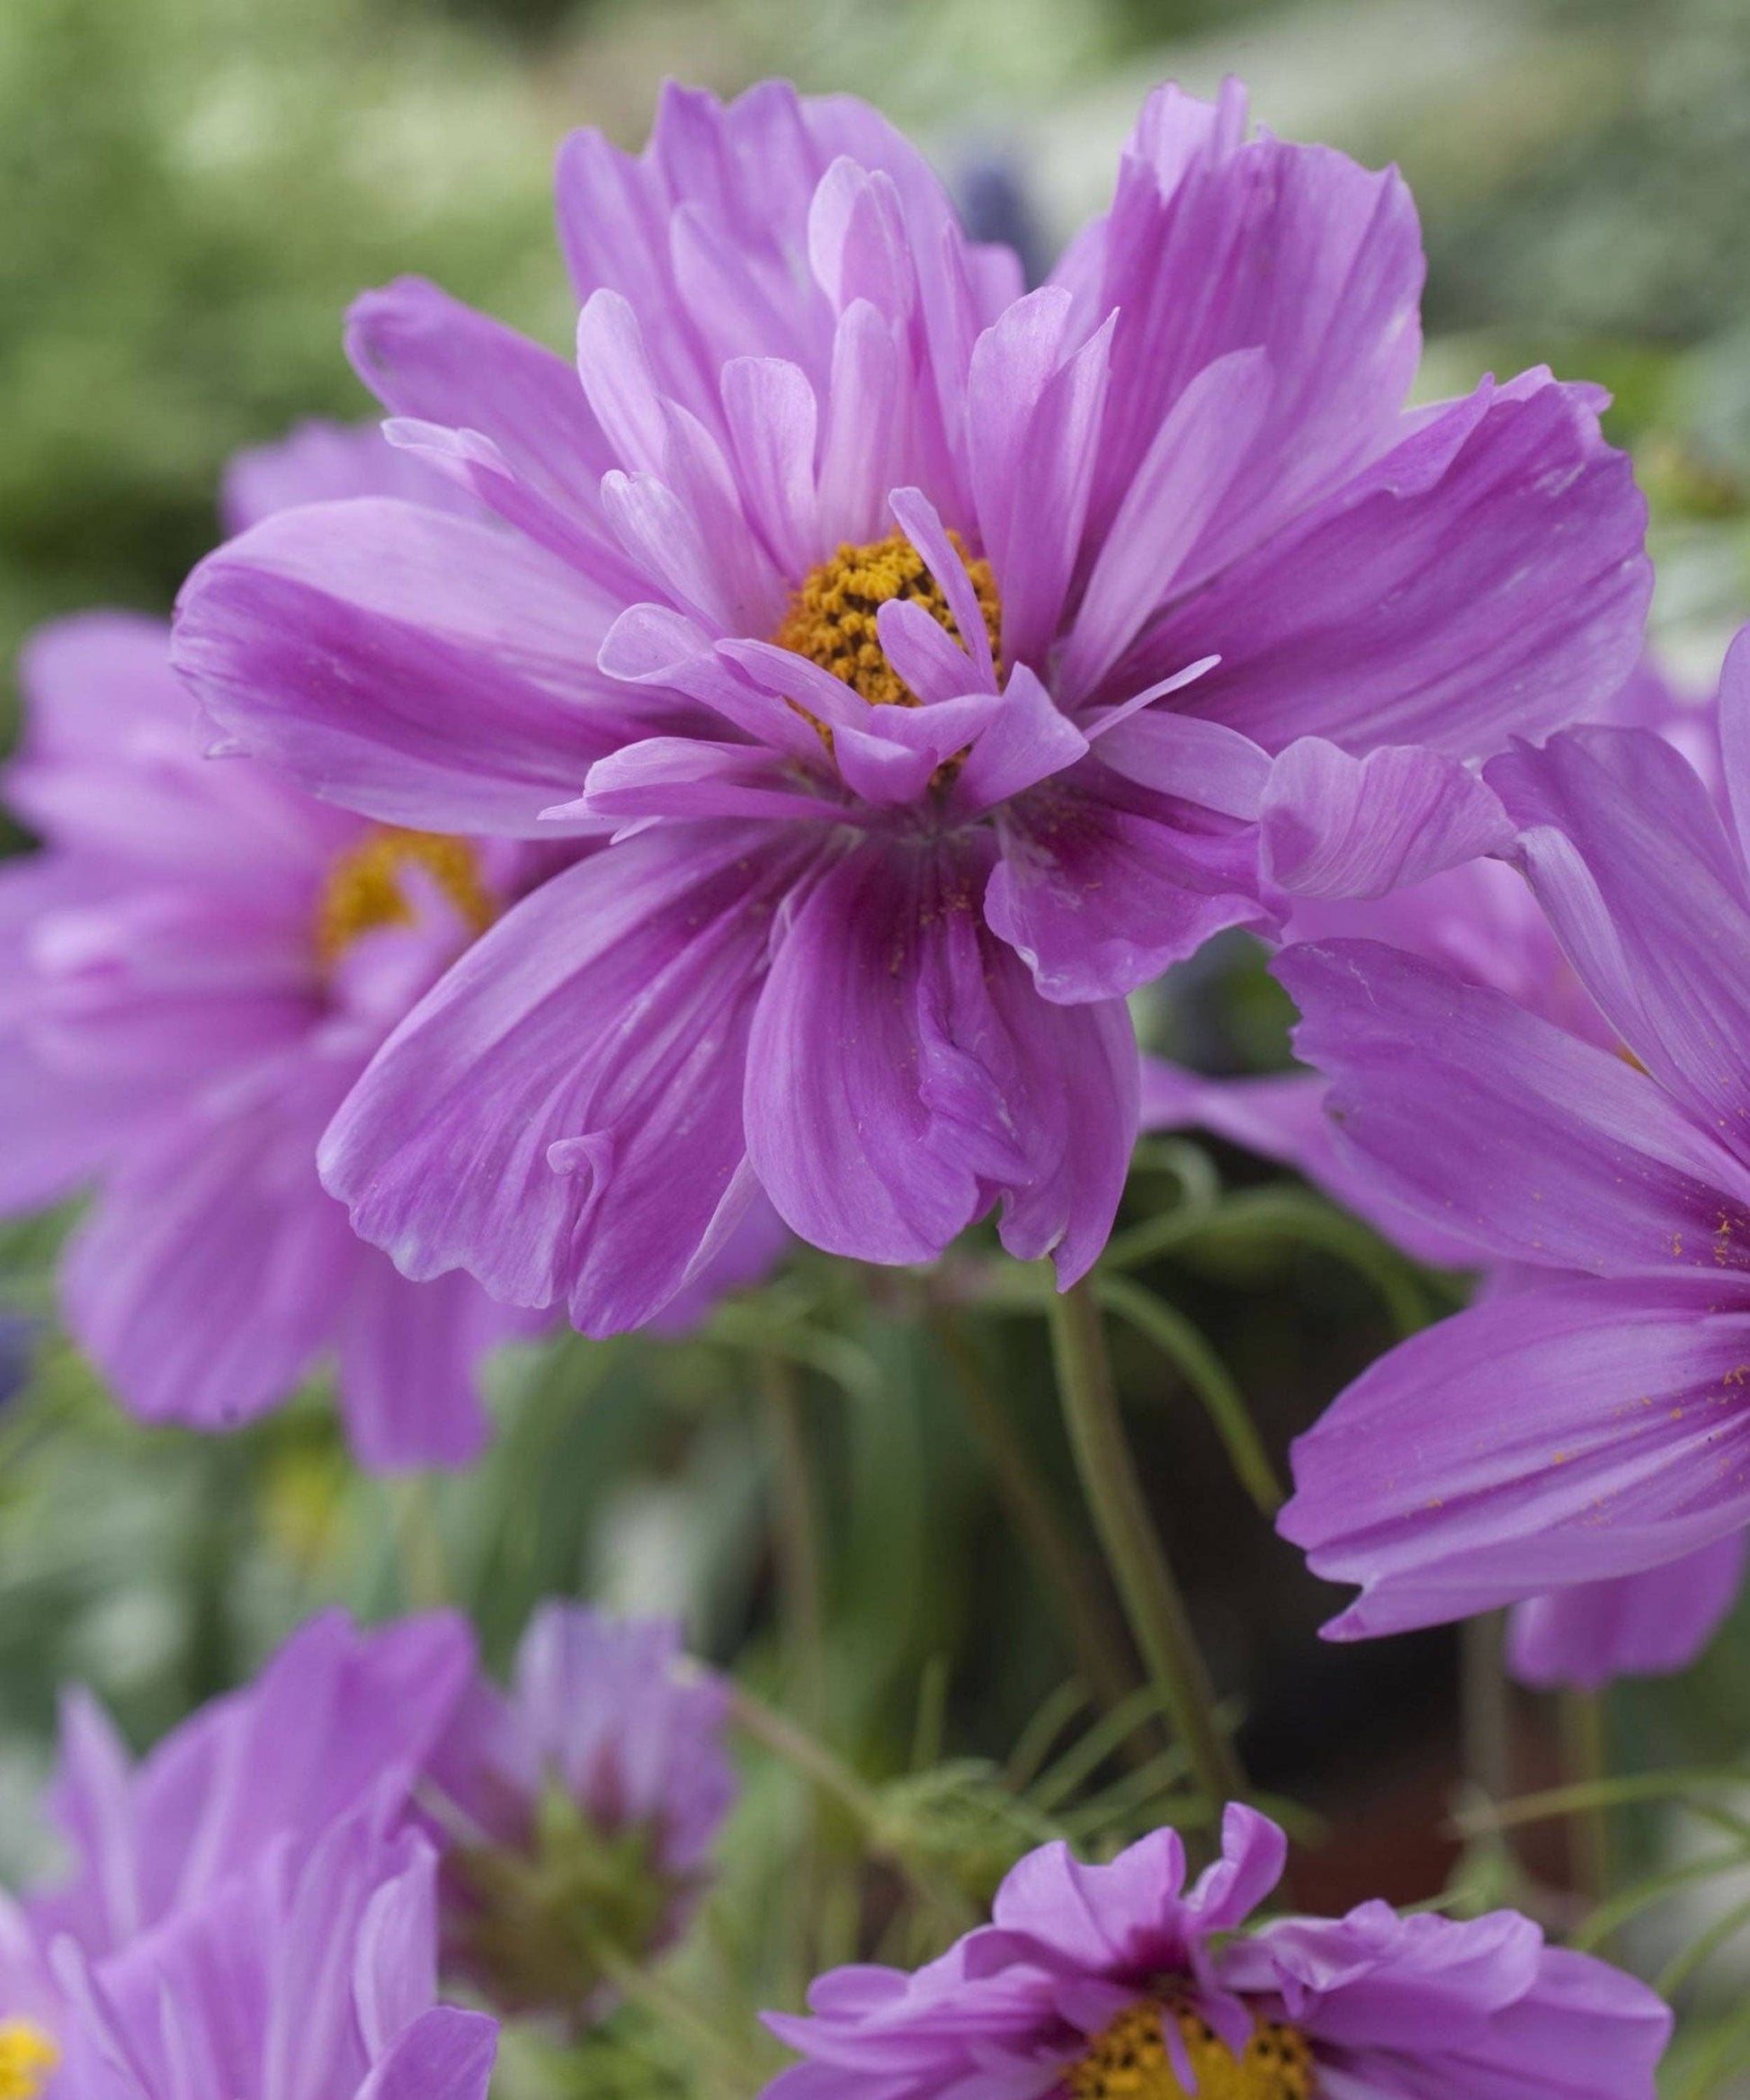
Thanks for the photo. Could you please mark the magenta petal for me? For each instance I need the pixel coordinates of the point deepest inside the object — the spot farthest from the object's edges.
(1101, 884)
(1294, 251)
(1183, 754)
(1647, 1625)
(903, 1075)
(1646, 894)
(327, 463)
(425, 355)
(1284, 1119)
(205, 1282)
(443, 2055)
(1551, 1437)
(1333, 826)
(688, 776)
(560, 1115)
(1495, 1124)
(1486, 577)
(367, 647)
(409, 1363)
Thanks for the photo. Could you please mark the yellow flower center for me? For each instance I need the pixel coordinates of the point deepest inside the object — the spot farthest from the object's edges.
(28, 2059)
(832, 617)
(364, 889)
(1130, 2060)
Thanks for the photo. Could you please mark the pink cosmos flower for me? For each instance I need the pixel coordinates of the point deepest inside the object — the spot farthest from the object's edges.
(193, 972)
(946, 660)
(1096, 1982)
(310, 1976)
(1586, 1423)
(336, 1731)
(1482, 923)
(581, 1807)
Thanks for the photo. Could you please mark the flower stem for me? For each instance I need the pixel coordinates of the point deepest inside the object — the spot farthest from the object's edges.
(798, 1533)
(1072, 1579)
(1152, 1602)
(1585, 1760)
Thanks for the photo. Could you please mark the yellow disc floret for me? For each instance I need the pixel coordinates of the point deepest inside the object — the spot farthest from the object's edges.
(832, 617)
(1130, 2060)
(366, 888)
(28, 2059)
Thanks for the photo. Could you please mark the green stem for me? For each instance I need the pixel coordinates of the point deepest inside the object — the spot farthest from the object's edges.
(674, 2013)
(418, 1542)
(797, 1537)
(1156, 1610)
(1071, 1580)
(1586, 1759)
(1486, 1707)
(832, 1776)
(1183, 1345)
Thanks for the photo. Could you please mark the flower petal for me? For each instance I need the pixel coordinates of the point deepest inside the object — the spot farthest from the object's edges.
(1486, 577)
(419, 667)
(1546, 1437)
(1647, 1625)
(1491, 1122)
(1646, 895)
(1333, 826)
(903, 1075)
(1101, 884)
(560, 1115)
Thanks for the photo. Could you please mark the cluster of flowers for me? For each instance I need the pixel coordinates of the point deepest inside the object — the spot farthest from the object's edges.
(729, 787)
(261, 1909)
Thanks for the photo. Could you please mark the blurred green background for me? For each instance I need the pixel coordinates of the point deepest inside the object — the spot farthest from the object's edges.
(191, 192)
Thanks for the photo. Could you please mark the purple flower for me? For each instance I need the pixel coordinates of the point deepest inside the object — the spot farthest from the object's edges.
(948, 658)
(309, 1976)
(333, 1720)
(1094, 1982)
(192, 974)
(1588, 1423)
(581, 1807)
(339, 1725)
(1482, 924)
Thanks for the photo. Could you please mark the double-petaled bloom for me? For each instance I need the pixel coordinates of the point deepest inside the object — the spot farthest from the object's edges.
(1118, 1983)
(311, 1973)
(581, 1808)
(1482, 923)
(1589, 1421)
(193, 972)
(945, 659)
(303, 1781)
(571, 1822)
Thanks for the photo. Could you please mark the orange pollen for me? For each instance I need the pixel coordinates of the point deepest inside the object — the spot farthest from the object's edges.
(365, 890)
(1130, 2060)
(832, 616)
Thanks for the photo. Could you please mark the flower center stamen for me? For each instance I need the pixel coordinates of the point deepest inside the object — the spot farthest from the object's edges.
(365, 889)
(1130, 2060)
(28, 2059)
(832, 617)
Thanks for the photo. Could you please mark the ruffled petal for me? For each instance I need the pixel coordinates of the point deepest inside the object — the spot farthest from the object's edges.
(421, 669)
(902, 1075)
(1646, 894)
(1333, 826)
(1546, 1437)
(1647, 1625)
(560, 1116)
(205, 1282)
(1487, 576)
(1492, 1123)
(1101, 884)
(1296, 252)
(408, 1364)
